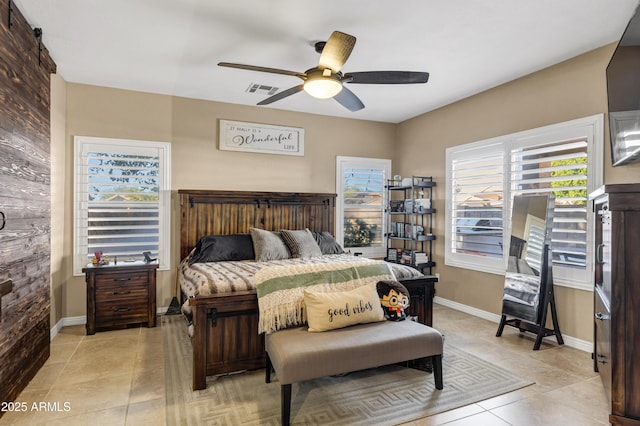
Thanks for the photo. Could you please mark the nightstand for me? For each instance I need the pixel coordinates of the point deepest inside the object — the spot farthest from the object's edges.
(120, 295)
(421, 289)
(421, 292)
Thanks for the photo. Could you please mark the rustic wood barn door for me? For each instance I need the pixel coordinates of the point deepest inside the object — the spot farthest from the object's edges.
(25, 219)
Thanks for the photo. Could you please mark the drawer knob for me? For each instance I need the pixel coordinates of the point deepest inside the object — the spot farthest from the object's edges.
(601, 317)
(122, 292)
(122, 279)
(122, 310)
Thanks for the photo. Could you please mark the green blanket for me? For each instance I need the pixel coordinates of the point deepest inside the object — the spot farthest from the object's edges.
(280, 289)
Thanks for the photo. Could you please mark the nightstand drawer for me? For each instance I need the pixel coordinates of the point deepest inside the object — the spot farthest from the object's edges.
(121, 292)
(114, 278)
(123, 312)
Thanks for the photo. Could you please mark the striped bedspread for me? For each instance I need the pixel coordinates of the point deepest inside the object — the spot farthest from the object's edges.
(202, 279)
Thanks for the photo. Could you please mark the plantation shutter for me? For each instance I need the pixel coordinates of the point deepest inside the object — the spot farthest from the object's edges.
(562, 159)
(121, 201)
(558, 168)
(360, 204)
(363, 206)
(477, 203)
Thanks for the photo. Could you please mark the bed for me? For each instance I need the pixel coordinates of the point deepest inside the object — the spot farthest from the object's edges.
(223, 325)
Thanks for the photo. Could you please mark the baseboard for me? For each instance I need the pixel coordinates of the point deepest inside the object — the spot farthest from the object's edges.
(582, 345)
(81, 320)
(66, 322)
(573, 342)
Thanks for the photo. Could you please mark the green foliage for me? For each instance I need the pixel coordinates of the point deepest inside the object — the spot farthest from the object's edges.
(358, 233)
(123, 178)
(350, 191)
(569, 182)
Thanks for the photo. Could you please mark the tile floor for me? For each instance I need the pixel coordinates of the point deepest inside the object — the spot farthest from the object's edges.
(117, 378)
(110, 378)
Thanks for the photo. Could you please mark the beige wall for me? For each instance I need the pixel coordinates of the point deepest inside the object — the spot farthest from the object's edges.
(570, 90)
(58, 194)
(191, 127)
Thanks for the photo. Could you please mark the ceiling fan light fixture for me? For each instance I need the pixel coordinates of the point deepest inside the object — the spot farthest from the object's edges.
(326, 79)
(322, 87)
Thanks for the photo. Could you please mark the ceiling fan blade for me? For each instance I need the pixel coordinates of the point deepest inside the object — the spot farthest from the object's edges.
(386, 77)
(262, 69)
(336, 51)
(282, 95)
(349, 100)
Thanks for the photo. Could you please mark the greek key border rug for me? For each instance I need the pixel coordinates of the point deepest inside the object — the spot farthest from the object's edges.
(383, 396)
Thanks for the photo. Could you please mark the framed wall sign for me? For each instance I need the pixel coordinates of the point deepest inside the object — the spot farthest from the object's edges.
(263, 138)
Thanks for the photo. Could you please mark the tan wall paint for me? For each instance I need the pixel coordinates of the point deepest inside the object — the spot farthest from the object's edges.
(573, 89)
(569, 90)
(191, 127)
(58, 193)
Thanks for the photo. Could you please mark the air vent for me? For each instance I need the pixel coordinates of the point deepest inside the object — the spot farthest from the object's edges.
(262, 89)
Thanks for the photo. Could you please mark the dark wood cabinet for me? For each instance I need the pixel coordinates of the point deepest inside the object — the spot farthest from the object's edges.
(617, 298)
(120, 295)
(421, 290)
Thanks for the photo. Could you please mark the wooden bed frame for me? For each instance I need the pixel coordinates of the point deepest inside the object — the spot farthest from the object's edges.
(225, 337)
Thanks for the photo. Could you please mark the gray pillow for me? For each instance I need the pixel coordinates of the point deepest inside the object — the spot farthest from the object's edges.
(328, 244)
(301, 243)
(268, 245)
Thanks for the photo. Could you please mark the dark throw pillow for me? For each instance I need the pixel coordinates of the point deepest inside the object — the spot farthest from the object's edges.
(328, 245)
(217, 248)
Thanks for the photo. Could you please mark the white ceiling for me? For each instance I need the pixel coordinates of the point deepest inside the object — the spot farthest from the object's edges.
(172, 46)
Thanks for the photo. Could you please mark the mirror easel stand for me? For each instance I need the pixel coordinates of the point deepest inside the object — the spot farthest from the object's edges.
(548, 303)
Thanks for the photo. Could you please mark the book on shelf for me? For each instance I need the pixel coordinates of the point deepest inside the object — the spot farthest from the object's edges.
(410, 257)
(406, 257)
(407, 230)
(420, 257)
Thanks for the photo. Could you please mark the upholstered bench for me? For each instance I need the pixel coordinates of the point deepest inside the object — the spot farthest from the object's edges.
(297, 355)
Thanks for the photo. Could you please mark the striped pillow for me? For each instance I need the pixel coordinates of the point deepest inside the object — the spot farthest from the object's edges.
(268, 245)
(301, 243)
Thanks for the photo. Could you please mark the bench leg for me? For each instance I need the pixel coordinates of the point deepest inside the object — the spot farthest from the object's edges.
(437, 370)
(267, 368)
(285, 404)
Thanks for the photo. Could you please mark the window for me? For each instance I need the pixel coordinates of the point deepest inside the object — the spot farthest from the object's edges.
(360, 204)
(477, 209)
(122, 200)
(482, 178)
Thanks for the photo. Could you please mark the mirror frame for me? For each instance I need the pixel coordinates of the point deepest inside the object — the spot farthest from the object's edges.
(528, 271)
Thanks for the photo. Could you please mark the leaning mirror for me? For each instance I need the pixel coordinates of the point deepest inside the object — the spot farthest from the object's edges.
(524, 284)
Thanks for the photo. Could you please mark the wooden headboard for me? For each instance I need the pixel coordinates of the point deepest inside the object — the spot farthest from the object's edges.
(231, 212)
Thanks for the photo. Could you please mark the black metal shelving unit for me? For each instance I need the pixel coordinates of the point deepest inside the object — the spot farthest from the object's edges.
(409, 224)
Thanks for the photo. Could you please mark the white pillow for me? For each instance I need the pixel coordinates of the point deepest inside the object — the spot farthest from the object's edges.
(327, 311)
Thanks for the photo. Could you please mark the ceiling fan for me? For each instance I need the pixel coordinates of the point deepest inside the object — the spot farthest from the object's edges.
(327, 81)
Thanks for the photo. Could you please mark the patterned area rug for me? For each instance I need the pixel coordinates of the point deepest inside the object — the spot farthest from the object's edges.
(382, 396)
